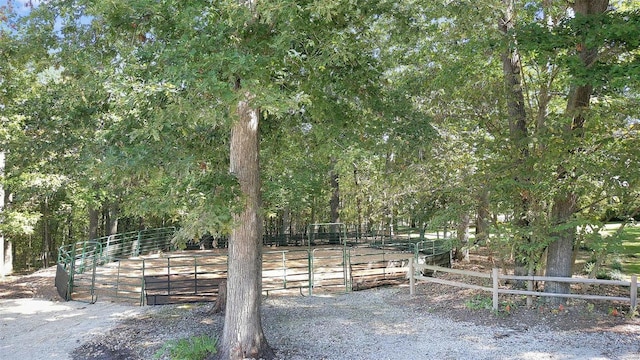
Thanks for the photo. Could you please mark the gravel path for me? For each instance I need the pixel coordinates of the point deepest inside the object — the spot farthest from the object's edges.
(372, 324)
(37, 329)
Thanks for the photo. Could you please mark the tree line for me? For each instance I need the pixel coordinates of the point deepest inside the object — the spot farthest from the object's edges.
(520, 118)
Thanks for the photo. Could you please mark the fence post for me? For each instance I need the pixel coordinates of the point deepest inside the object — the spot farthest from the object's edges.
(195, 273)
(412, 279)
(310, 267)
(494, 276)
(529, 288)
(138, 245)
(284, 270)
(634, 294)
(143, 285)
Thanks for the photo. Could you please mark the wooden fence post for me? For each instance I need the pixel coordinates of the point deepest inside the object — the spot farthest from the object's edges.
(494, 276)
(529, 297)
(634, 294)
(412, 279)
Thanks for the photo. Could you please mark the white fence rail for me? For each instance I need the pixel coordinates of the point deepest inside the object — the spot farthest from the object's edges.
(496, 276)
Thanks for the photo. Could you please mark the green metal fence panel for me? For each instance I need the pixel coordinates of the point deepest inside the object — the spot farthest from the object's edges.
(371, 267)
(329, 269)
(284, 270)
(125, 263)
(78, 258)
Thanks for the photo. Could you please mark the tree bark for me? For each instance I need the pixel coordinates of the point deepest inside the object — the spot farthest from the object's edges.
(560, 252)
(334, 203)
(358, 202)
(242, 336)
(112, 223)
(519, 137)
(335, 194)
(483, 216)
(6, 255)
(94, 221)
(462, 234)
(46, 231)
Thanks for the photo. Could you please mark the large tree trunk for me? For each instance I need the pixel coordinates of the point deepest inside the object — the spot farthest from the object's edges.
(560, 252)
(46, 232)
(483, 216)
(334, 203)
(519, 138)
(94, 222)
(112, 218)
(6, 255)
(335, 194)
(242, 336)
(358, 202)
(462, 233)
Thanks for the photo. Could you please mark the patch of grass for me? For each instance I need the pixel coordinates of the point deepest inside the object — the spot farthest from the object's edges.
(193, 348)
(630, 255)
(479, 302)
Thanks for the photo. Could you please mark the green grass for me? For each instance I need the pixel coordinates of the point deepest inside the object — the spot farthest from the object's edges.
(631, 250)
(479, 302)
(630, 255)
(194, 348)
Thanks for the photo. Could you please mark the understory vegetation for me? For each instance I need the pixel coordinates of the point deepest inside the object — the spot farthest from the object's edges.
(193, 348)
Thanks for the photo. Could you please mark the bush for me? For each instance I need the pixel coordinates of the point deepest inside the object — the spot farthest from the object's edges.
(616, 275)
(588, 268)
(603, 275)
(616, 265)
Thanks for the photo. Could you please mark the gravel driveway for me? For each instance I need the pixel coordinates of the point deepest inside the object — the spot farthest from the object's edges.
(372, 324)
(37, 329)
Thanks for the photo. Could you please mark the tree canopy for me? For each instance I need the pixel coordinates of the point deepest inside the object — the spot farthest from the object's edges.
(522, 115)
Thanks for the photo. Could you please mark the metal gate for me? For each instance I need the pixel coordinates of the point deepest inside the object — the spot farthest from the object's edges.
(329, 269)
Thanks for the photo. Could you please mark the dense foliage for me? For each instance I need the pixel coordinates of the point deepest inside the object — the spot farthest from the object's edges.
(122, 109)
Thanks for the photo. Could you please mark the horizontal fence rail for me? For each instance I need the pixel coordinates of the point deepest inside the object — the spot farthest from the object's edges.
(496, 277)
(155, 279)
(141, 267)
(114, 247)
(77, 258)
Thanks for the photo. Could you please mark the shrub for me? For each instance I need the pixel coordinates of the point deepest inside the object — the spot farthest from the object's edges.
(616, 265)
(588, 268)
(603, 275)
(616, 274)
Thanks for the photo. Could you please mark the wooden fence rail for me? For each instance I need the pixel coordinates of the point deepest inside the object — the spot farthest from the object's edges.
(495, 289)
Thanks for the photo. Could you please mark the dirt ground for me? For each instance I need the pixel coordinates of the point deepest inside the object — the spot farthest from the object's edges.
(471, 306)
(35, 323)
(475, 307)
(455, 303)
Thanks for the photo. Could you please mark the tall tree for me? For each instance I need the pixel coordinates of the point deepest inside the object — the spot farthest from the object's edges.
(566, 202)
(6, 264)
(178, 76)
(242, 336)
(518, 138)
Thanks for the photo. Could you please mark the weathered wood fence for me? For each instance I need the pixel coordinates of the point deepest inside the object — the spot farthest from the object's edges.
(496, 277)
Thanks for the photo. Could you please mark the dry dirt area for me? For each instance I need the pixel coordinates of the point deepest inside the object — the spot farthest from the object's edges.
(475, 306)
(33, 321)
(36, 324)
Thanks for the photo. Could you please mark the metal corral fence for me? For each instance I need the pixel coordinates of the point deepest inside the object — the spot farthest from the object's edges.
(415, 271)
(126, 279)
(78, 258)
(310, 271)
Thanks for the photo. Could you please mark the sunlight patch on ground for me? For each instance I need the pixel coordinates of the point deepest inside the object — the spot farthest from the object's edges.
(30, 307)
